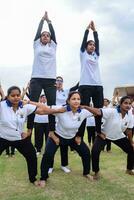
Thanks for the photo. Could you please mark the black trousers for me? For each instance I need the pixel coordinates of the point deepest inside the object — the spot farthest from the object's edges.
(63, 156)
(10, 150)
(107, 145)
(36, 86)
(91, 131)
(123, 143)
(40, 129)
(96, 93)
(51, 149)
(26, 148)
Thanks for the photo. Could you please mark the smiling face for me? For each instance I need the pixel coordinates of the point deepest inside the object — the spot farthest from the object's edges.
(125, 105)
(45, 37)
(74, 101)
(14, 97)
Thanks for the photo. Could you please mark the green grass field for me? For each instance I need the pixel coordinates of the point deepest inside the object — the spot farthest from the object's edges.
(114, 184)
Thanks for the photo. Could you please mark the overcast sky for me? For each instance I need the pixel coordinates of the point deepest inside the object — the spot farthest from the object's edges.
(114, 22)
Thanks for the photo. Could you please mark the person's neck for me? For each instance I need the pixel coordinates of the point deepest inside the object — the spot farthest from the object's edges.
(15, 108)
(74, 110)
(123, 113)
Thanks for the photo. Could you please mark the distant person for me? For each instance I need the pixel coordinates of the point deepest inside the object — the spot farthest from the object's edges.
(106, 104)
(41, 127)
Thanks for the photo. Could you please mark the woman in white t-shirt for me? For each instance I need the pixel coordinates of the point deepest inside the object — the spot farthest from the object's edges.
(90, 85)
(65, 134)
(13, 115)
(44, 69)
(116, 122)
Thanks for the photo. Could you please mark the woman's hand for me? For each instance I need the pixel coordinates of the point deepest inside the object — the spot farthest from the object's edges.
(78, 140)
(54, 137)
(92, 26)
(102, 136)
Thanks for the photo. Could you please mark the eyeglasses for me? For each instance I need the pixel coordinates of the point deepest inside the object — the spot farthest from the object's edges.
(60, 81)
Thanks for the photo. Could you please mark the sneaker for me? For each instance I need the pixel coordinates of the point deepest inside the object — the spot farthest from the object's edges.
(130, 172)
(50, 170)
(38, 153)
(65, 169)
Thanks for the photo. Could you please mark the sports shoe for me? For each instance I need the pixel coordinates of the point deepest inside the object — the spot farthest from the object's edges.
(50, 170)
(65, 169)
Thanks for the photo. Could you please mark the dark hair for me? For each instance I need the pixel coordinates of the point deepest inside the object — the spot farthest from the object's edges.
(88, 42)
(13, 88)
(105, 99)
(42, 95)
(46, 32)
(71, 94)
(59, 77)
(124, 98)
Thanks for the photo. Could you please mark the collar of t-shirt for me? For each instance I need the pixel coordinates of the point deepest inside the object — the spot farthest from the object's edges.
(9, 104)
(68, 108)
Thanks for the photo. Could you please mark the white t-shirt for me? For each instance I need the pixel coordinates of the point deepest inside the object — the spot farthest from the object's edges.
(114, 125)
(44, 65)
(41, 118)
(69, 123)
(61, 96)
(90, 73)
(12, 123)
(90, 121)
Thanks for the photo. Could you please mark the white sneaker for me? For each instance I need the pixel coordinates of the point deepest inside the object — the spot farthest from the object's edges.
(50, 170)
(65, 169)
(38, 153)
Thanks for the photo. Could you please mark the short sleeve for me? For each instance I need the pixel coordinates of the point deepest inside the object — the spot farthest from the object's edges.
(86, 113)
(131, 122)
(29, 109)
(107, 112)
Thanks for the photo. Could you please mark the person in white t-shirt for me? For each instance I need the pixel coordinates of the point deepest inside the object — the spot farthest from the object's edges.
(13, 114)
(65, 134)
(107, 104)
(90, 85)
(41, 127)
(61, 97)
(117, 121)
(91, 130)
(44, 69)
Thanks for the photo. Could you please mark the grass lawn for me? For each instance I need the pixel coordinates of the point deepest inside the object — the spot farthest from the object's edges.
(114, 184)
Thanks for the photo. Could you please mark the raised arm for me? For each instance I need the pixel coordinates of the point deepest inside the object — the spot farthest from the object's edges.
(51, 29)
(2, 93)
(25, 91)
(38, 33)
(74, 87)
(83, 45)
(95, 34)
